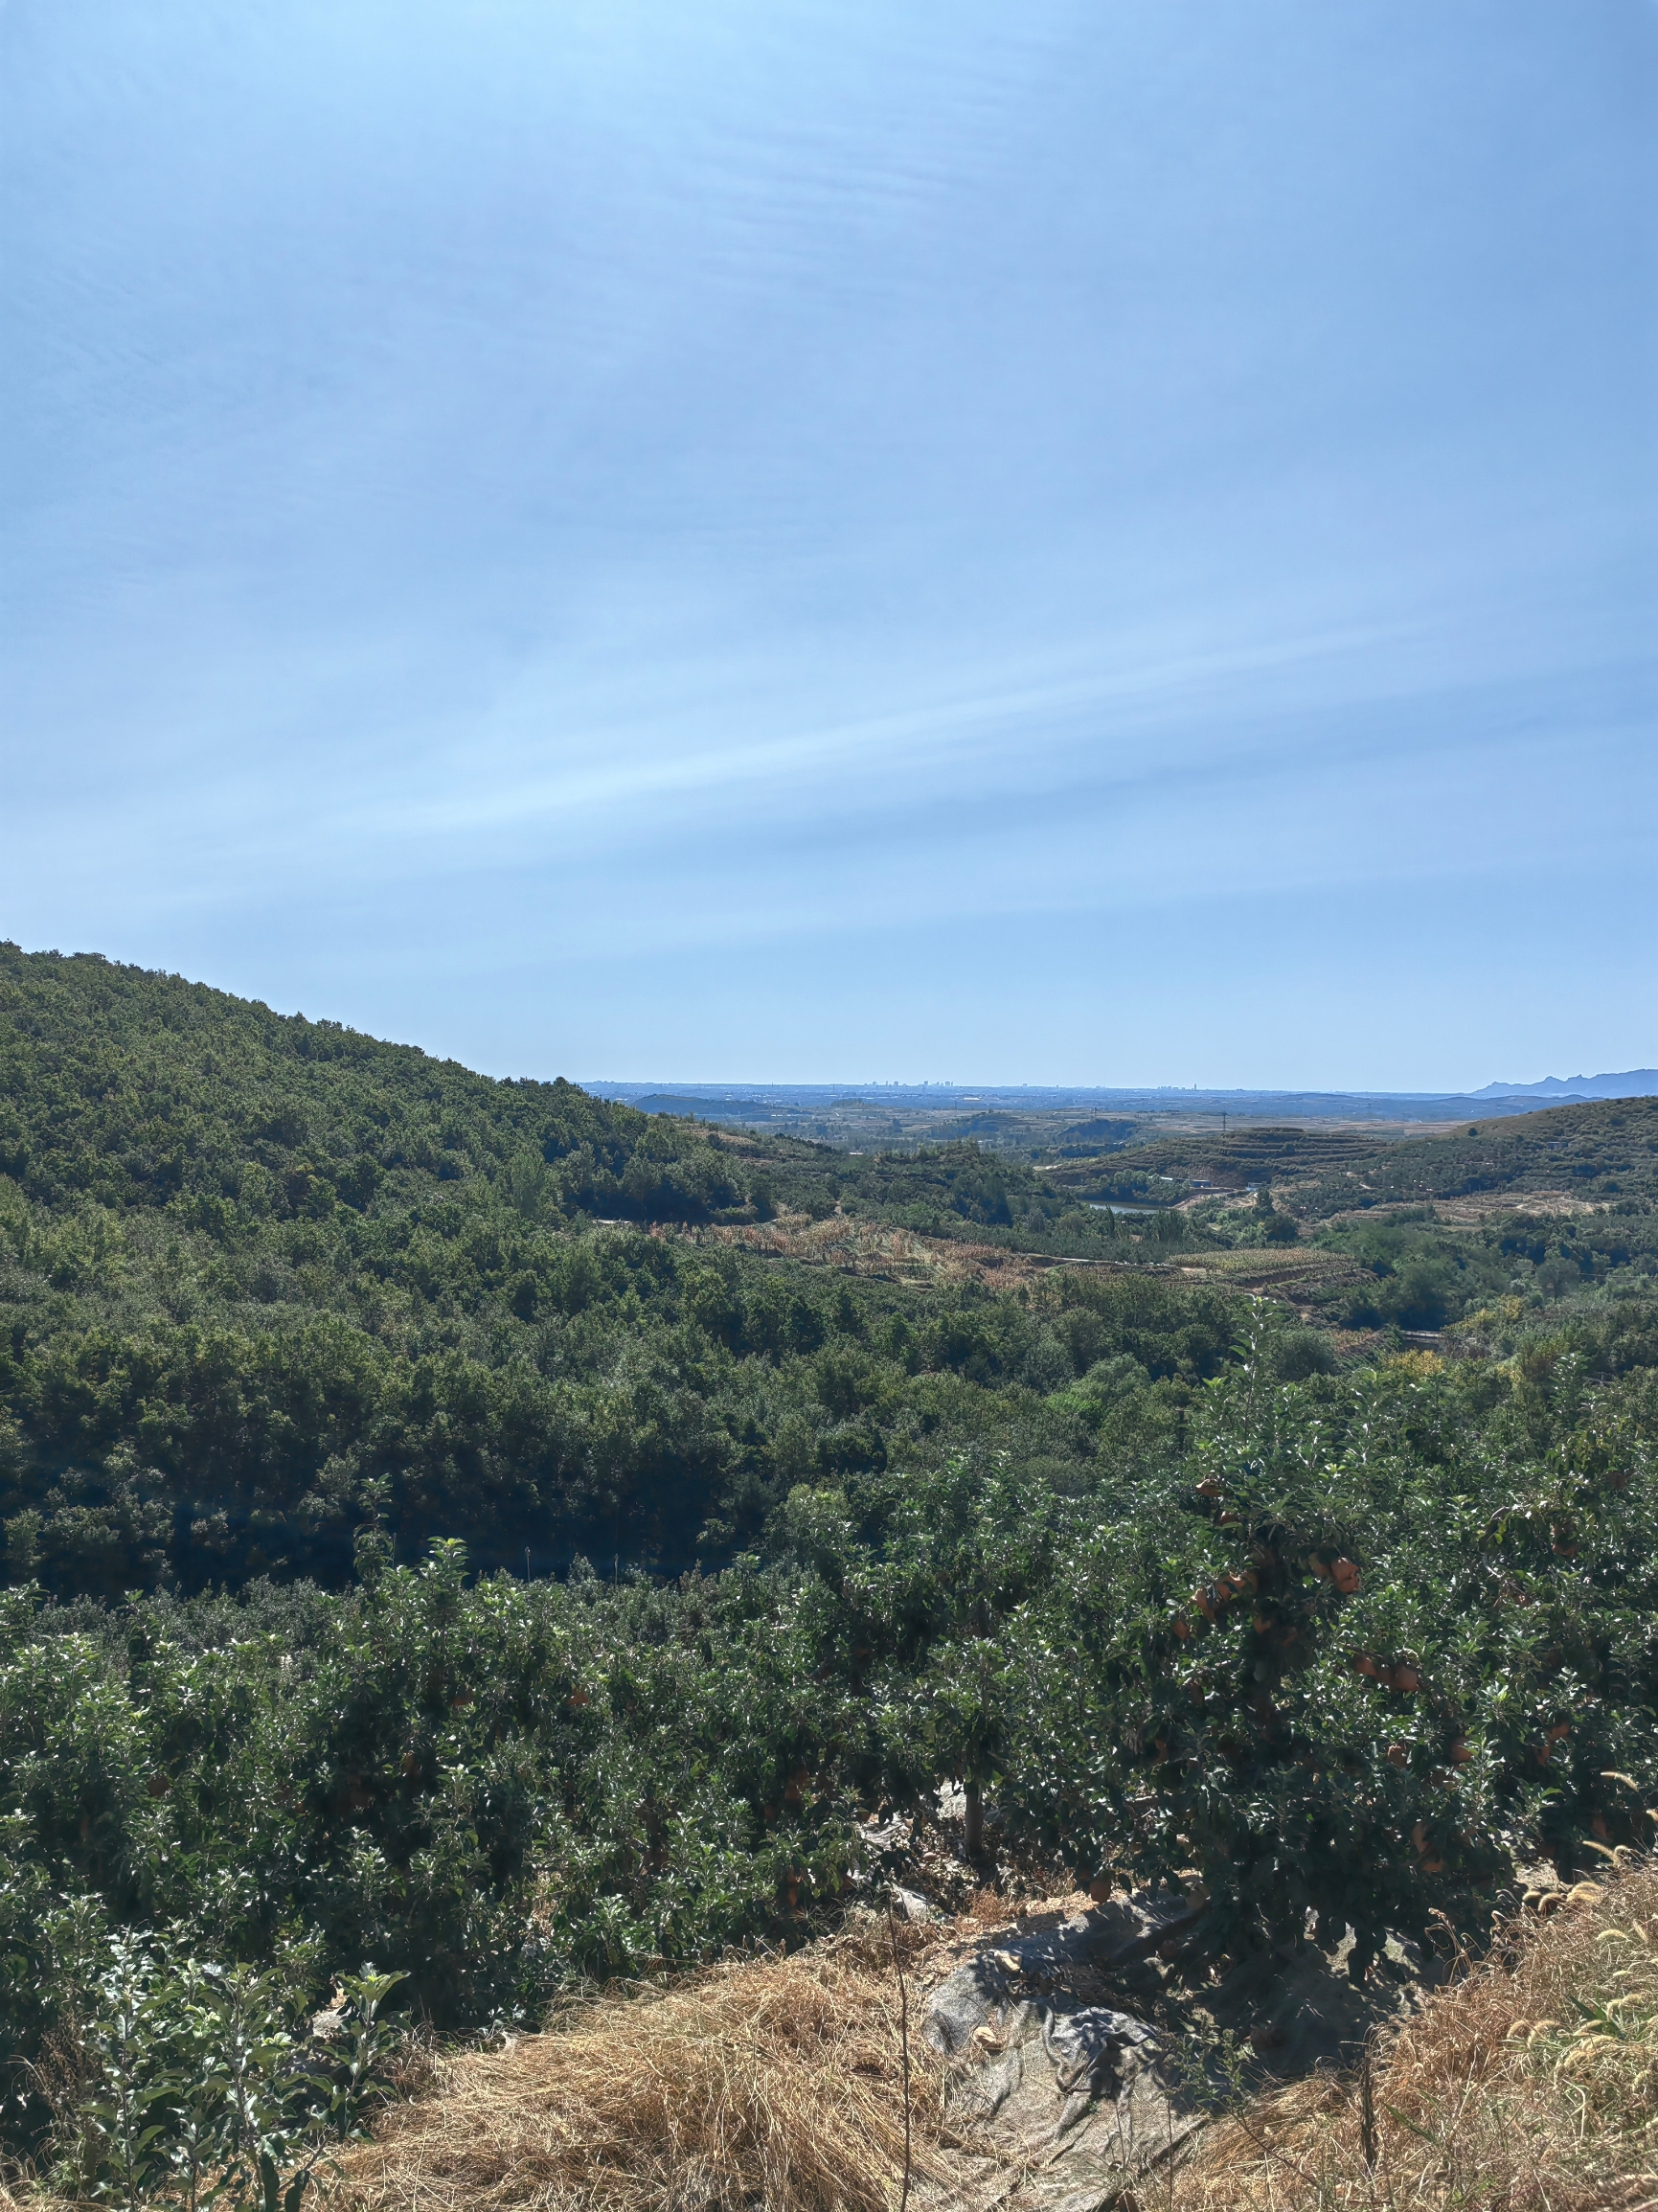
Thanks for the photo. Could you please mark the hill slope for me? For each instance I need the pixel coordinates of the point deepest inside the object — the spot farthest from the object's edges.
(1604, 1150)
(276, 1301)
(1256, 1154)
(135, 1088)
(264, 1280)
(1596, 1149)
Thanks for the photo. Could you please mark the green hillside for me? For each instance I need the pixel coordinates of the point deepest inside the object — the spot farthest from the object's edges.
(1231, 1161)
(134, 1089)
(1603, 1151)
(1600, 1151)
(263, 1280)
(436, 1533)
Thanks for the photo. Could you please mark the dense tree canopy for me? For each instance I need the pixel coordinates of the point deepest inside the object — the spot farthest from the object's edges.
(261, 1278)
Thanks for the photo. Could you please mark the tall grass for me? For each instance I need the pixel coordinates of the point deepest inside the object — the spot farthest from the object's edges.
(1530, 2085)
(774, 2082)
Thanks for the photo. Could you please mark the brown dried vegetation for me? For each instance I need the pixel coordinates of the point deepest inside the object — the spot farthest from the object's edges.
(772, 2083)
(1530, 2085)
(858, 1245)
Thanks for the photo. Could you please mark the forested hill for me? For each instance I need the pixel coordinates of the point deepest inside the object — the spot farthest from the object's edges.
(266, 1283)
(131, 1088)
(135, 1088)
(1258, 1152)
(1603, 1149)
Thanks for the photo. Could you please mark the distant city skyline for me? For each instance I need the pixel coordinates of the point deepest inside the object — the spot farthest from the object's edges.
(1095, 544)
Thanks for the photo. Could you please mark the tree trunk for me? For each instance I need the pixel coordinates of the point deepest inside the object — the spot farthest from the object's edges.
(973, 1824)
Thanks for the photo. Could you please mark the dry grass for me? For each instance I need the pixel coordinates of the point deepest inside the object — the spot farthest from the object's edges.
(860, 1246)
(1282, 1272)
(1530, 2086)
(773, 2082)
(1248, 1260)
(1475, 1207)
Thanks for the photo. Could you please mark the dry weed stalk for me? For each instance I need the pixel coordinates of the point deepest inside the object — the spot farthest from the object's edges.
(1530, 2085)
(772, 2083)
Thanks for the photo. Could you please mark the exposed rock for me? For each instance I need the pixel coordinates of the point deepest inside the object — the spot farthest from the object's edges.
(880, 1838)
(1075, 2093)
(1083, 2063)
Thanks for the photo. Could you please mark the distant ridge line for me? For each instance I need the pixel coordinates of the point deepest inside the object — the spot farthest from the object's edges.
(763, 1101)
(1633, 1082)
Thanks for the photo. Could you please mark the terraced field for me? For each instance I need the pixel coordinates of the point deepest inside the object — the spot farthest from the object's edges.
(1291, 1275)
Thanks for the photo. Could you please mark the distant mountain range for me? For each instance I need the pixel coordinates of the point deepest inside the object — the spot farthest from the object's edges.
(1634, 1082)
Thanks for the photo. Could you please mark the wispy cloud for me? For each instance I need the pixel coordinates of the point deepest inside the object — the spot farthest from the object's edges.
(601, 489)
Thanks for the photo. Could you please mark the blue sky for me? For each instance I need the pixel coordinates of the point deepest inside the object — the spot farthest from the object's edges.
(749, 538)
